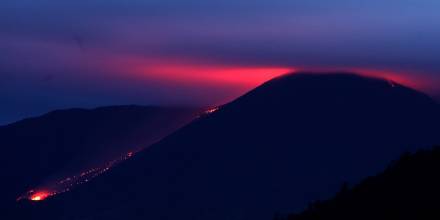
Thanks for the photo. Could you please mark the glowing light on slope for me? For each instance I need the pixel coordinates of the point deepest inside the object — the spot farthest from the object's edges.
(66, 184)
(36, 198)
(212, 110)
(40, 195)
(208, 112)
(392, 84)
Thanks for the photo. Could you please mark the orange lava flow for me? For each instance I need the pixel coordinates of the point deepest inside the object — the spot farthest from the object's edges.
(39, 195)
(66, 184)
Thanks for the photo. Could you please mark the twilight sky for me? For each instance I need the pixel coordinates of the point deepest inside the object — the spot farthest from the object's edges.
(86, 53)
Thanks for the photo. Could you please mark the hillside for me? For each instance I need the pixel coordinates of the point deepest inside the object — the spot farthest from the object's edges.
(40, 150)
(408, 189)
(292, 140)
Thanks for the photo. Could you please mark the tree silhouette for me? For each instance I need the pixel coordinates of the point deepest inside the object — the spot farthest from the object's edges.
(407, 189)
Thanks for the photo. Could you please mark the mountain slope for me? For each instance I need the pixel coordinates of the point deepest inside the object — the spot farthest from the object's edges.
(406, 190)
(64, 142)
(290, 141)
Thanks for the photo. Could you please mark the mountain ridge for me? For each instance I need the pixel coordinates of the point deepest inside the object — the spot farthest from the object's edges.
(42, 150)
(296, 137)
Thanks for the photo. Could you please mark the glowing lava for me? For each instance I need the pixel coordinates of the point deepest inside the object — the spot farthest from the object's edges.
(208, 112)
(38, 196)
(212, 110)
(66, 184)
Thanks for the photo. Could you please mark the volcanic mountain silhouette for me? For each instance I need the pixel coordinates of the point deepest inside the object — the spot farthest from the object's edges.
(292, 140)
(39, 150)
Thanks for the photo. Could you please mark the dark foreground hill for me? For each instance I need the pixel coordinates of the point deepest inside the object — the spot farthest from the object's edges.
(292, 140)
(63, 142)
(409, 189)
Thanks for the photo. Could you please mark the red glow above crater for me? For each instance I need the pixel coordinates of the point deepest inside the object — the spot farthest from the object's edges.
(232, 79)
(194, 72)
(245, 77)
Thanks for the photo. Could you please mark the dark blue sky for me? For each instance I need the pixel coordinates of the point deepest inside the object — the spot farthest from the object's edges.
(84, 53)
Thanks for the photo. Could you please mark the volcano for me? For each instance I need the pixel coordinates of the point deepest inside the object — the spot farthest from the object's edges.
(290, 141)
